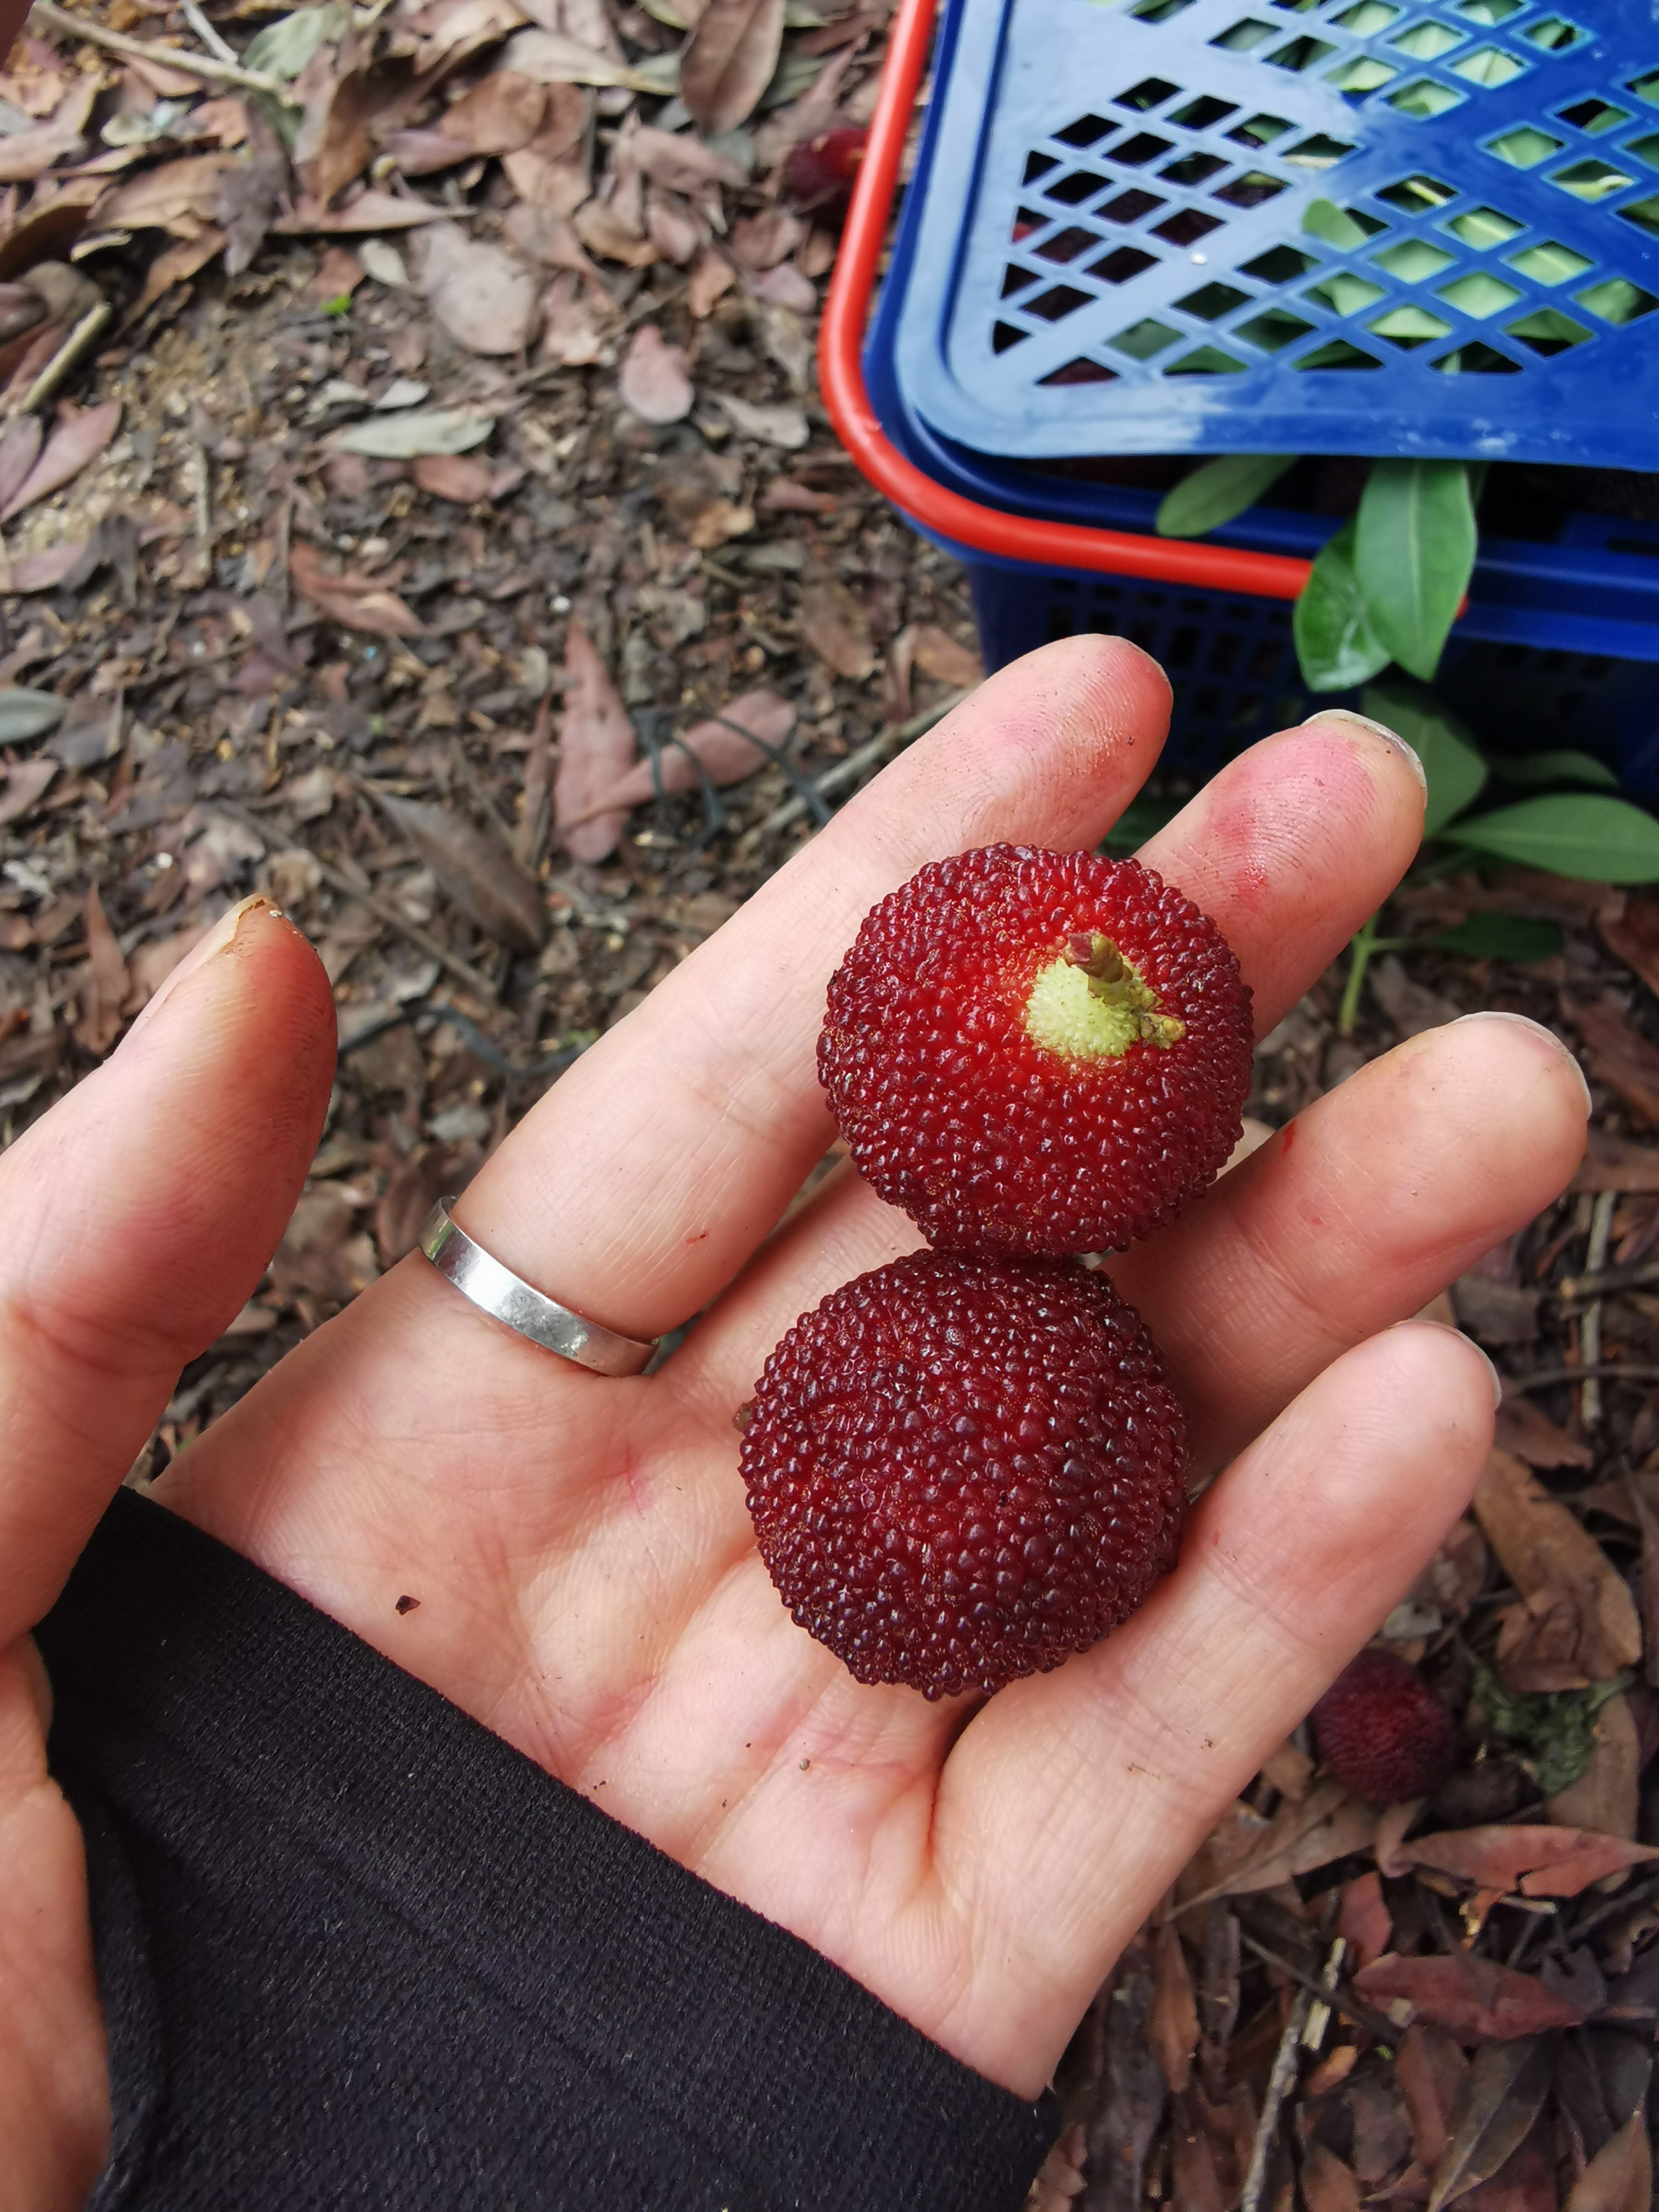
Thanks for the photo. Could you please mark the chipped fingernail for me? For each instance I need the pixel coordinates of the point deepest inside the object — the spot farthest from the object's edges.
(1377, 730)
(218, 938)
(1538, 1030)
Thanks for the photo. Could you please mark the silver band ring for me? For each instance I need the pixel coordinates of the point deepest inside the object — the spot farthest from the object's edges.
(496, 1291)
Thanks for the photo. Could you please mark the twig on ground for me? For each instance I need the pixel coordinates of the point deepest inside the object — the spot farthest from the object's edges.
(73, 350)
(205, 32)
(1589, 1322)
(845, 771)
(207, 66)
(1278, 2083)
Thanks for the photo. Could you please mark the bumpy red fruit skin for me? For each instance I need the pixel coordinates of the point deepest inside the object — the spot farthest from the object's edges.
(962, 1468)
(820, 172)
(988, 1140)
(1383, 1732)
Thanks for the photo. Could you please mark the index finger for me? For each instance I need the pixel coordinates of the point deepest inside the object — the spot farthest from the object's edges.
(640, 1185)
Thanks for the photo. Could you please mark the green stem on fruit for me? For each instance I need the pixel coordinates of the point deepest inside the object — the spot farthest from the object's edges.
(1364, 944)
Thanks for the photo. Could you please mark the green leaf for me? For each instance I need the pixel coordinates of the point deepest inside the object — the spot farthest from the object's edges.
(284, 48)
(1556, 768)
(1579, 834)
(1334, 640)
(1218, 491)
(1324, 219)
(1143, 818)
(1415, 540)
(1455, 769)
(1519, 937)
(25, 714)
(1553, 1730)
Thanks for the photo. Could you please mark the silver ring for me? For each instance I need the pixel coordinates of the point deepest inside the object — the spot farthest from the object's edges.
(496, 1291)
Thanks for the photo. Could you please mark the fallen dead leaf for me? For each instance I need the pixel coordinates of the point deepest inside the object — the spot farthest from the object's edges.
(1502, 2095)
(176, 264)
(833, 623)
(679, 163)
(502, 112)
(460, 477)
(1613, 1163)
(1174, 2022)
(369, 210)
(1530, 1435)
(181, 196)
(1629, 928)
(475, 868)
(355, 602)
(1476, 1998)
(1364, 1921)
(28, 154)
(1538, 1861)
(79, 438)
(570, 333)
(1328, 2185)
(599, 226)
(550, 58)
(597, 751)
(26, 784)
(652, 380)
(1620, 2178)
(483, 298)
(1606, 1796)
(1577, 1622)
(774, 422)
(1429, 2069)
(539, 234)
(938, 655)
(712, 276)
(1618, 1054)
(103, 983)
(1060, 2178)
(1246, 1853)
(729, 62)
(20, 448)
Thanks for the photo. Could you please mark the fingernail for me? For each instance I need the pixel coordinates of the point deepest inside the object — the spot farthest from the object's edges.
(1526, 1022)
(1415, 1320)
(219, 939)
(1377, 730)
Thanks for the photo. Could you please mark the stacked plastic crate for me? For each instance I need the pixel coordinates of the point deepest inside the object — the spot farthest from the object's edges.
(1104, 254)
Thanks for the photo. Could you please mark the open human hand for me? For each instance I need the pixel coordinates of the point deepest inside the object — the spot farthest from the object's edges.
(587, 1578)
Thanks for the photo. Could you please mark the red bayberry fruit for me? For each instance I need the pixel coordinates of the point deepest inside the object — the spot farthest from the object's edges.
(1038, 1051)
(1383, 1732)
(962, 1468)
(820, 172)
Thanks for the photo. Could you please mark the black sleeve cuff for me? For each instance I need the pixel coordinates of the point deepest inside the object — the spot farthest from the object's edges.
(355, 1950)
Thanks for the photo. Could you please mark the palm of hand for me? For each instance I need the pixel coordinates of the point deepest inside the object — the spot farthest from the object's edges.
(587, 1578)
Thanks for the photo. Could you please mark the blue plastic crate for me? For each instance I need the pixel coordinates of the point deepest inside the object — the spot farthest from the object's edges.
(1560, 644)
(1109, 253)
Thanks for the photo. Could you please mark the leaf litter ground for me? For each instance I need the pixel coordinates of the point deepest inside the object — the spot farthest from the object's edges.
(418, 506)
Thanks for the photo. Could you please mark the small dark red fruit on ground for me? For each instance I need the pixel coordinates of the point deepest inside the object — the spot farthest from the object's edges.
(963, 1468)
(1383, 1732)
(1037, 1052)
(821, 172)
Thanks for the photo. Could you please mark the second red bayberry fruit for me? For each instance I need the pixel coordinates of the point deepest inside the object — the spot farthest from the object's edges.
(1039, 1052)
(963, 1468)
(1383, 1732)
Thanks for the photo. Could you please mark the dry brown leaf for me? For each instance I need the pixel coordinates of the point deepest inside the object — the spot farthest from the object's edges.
(368, 210)
(596, 752)
(729, 61)
(460, 477)
(1630, 930)
(1644, 1505)
(103, 983)
(28, 154)
(503, 111)
(474, 868)
(1328, 2185)
(938, 655)
(652, 380)
(672, 228)
(1618, 1054)
(570, 333)
(26, 784)
(44, 571)
(20, 448)
(1246, 1853)
(1365, 1923)
(483, 298)
(1620, 2178)
(774, 422)
(1539, 1862)
(1502, 2095)
(1476, 1998)
(1530, 1435)
(180, 195)
(761, 241)
(176, 264)
(1174, 2022)
(79, 438)
(540, 236)
(1613, 1163)
(712, 276)
(1605, 1798)
(603, 231)
(833, 623)
(446, 24)
(1578, 1623)
(551, 58)
(355, 602)
(681, 164)
(785, 286)
(783, 495)
(552, 170)
(1060, 2178)
(725, 752)
(1429, 2069)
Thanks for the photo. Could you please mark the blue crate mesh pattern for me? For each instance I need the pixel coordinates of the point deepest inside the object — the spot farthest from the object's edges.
(1233, 666)
(1135, 273)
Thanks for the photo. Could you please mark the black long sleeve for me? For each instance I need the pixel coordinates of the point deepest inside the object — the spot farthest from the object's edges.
(355, 1950)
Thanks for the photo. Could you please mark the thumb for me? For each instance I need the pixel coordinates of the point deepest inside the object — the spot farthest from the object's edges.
(139, 1215)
